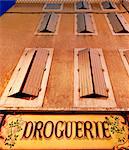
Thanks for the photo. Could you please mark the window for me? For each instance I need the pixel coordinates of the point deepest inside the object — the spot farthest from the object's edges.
(108, 5)
(124, 53)
(53, 6)
(117, 24)
(92, 86)
(48, 24)
(85, 24)
(27, 85)
(82, 5)
(125, 3)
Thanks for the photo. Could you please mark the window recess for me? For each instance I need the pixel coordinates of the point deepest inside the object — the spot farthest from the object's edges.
(53, 6)
(124, 53)
(48, 24)
(92, 86)
(108, 5)
(82, 5)
(85, 24)
(26, 87)
(117, 24)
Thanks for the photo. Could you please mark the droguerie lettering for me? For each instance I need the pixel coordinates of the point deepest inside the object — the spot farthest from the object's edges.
(66, 129)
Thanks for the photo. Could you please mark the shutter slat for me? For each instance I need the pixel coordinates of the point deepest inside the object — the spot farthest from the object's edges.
(52, 22)
(33, 82)
(117, 27)
(126, 54)
(21, 73)
(85, 78)
(80, 23)
(44, 22)
(89, 24)
(98, 75)
(53, 6)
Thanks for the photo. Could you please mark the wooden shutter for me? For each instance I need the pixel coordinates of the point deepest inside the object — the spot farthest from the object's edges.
(125, 3)
(80, 23)
(91, 77)
(117, 22)
(108, 5)
(82, 5)
(85, 77)
(84, 23)
(44, 23)
(49, 23)
(29, 74)
(117, 26)
(52, 22)
(126, 54)
(89, 24)
(98, 75)
(53, 6)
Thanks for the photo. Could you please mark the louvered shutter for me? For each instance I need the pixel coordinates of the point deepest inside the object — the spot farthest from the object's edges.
(89, 24)
(30, 73)
(49, 23)
(84, 23)
(80, 23)
(44, 23)
(97, 74)
(85, 77)
(117, 26)
(52, 23)
(91, 76)
(125, 3)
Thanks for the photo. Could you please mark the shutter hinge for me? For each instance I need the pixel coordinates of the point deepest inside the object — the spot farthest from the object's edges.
(10, 89)
(79, 90)
(45, 69)
(19, 69)
(103, 70)
(107, 90)
(78, 70)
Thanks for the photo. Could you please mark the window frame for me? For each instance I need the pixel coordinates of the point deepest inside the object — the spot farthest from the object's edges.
(92, 102)
(111, 28)
(94, 26)
(8, 101)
